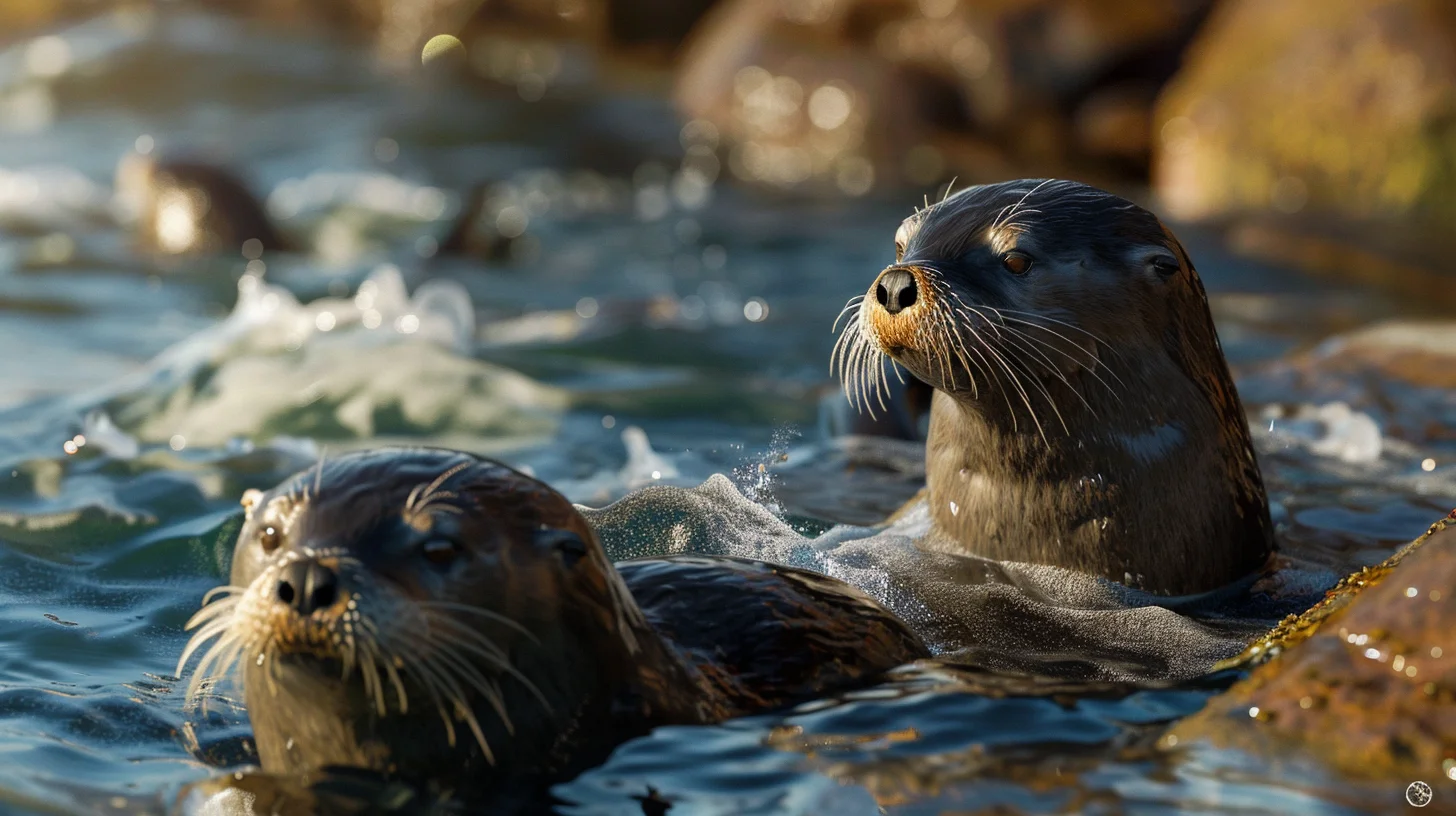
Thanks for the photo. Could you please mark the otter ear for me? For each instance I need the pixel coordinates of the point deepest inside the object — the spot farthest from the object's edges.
(570, 545)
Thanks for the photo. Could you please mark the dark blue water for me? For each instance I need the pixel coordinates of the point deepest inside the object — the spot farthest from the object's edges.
(702, 320)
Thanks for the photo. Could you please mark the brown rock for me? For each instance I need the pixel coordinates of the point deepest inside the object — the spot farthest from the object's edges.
(795, 100)
(1116, 123)
(1337, 111)
(1400, 372)
(1363, 685)
(1407, 259)
(20, 16)
(1015, 74)
(1421, 353)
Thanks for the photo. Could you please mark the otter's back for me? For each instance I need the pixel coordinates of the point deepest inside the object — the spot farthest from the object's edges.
(768, 635)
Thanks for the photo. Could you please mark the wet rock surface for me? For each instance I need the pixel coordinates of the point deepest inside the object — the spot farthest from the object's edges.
(1401, 372)
(1361, 686)
(1338, 112)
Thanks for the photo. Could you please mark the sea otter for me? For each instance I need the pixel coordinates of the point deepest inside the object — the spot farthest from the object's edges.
(440, 619)
(1083, 414)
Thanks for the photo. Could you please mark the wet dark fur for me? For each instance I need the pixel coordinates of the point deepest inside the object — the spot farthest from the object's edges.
(1125, 451)
(675, 640)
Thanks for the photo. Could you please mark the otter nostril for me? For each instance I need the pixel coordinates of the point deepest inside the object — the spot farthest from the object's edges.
(324, 596)
(896, 290)
(307, 585)
(907, 295)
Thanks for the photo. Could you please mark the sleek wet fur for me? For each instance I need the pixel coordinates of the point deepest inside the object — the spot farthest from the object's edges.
(1084, 415)
(437, 617)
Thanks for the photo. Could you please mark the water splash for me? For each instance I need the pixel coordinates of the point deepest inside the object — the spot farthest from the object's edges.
(379, 362)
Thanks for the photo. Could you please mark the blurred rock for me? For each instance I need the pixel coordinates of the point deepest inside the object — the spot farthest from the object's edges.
(1409, 259)
(502, 221)
(1417, 352)
(18, 17)
(1338, 112)
(662, 22)
(1402, 372)
(1364, 684)
(814, 89)
(475, 232)
(401, 27)
(1115, 123)
(180, 207)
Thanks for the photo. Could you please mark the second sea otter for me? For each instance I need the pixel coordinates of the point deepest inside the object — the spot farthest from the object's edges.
(1084, 415)
(441, 619)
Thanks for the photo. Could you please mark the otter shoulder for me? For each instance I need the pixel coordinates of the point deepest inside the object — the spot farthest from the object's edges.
(770, 635)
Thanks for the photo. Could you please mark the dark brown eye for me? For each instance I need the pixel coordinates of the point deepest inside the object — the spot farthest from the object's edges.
(899, 252)
(1016, 263)
(570, 545)
(270, 538)
(441, 551)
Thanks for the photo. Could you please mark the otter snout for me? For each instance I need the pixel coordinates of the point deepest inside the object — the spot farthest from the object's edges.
(306, 585)
(896, 290)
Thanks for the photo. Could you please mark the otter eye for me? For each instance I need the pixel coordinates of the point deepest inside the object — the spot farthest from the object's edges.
(569, 544)
(270, 538)
(899, 251)
(441, 551)
(1016, 263)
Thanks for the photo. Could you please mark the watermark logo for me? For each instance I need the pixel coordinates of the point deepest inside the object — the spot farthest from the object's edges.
(1418, 794)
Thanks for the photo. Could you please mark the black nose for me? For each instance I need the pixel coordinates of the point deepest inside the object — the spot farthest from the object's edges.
(307, 585)
(895, 290)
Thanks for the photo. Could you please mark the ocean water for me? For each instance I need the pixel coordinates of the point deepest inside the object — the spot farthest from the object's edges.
(656, 336)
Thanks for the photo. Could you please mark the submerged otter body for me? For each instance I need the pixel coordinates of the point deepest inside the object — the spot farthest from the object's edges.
(438, 618)
(1084, 415)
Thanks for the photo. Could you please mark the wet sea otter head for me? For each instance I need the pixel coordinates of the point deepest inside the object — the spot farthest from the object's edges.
(1084, 415)
(1018, 297)
(415, 611)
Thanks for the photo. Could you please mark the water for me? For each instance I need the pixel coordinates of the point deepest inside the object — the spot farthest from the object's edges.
(646, 331)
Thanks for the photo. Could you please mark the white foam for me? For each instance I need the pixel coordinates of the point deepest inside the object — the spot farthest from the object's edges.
(1333, 430)
(1008, 616)
(378, 362)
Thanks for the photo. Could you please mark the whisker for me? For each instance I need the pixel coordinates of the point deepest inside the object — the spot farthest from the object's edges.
(228, 589)
(443, 654)
(468, 639)
(318, 473)
(392, 671)
(1040, 387)
(430, 488)
(486, 613)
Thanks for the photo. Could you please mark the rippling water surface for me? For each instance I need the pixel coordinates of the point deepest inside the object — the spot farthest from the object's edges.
(642, 332)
